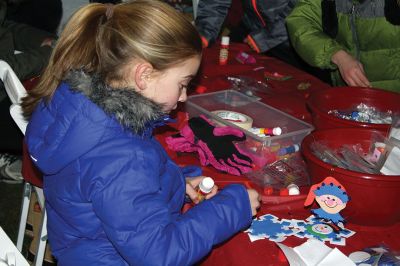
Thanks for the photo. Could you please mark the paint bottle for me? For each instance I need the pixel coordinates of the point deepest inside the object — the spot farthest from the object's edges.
(262, 131)
(224, 50)
(206, 185)
(288, 150)
(293, 189)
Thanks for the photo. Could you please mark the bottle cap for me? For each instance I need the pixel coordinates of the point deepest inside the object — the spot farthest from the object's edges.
(225, 40)
(277, 131)
(296, 147)
(206, 185)
(293, 189)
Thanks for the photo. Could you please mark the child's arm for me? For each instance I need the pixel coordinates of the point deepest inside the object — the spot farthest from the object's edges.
(307, 37)
(145, 225)
(192, 186)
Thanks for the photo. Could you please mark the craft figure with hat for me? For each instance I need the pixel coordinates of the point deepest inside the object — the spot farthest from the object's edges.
(331, 197)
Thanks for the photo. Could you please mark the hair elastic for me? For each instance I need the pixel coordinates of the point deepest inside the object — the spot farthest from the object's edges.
(109, 11)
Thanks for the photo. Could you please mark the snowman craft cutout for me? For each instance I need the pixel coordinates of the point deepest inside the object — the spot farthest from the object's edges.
(331, 197)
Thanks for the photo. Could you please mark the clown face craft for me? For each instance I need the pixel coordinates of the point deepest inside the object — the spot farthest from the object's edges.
(331, 197)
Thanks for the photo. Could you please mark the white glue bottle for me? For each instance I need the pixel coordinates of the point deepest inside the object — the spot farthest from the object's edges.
(224, 50)
(206, 185)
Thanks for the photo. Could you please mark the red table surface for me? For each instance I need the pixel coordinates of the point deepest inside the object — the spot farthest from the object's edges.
(286, 96)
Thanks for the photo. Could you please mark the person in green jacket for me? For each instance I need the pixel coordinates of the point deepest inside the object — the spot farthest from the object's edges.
(359, 41)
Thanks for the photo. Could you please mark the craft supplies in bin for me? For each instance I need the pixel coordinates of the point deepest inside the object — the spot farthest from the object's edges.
(331, 107)
(232, 108)
(282, 177)
(374, 197)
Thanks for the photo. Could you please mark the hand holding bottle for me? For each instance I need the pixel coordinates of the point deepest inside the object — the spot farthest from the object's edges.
(192, 189)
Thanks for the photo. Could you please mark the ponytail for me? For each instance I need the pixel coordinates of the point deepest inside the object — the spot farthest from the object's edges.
(103, 39)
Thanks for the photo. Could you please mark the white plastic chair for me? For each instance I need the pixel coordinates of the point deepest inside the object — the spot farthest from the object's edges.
(9, 252)
(13, 85)
(16, 91)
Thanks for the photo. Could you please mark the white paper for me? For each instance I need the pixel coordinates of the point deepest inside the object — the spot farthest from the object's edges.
(395, 133)
(392, 163)
(293, 258)
(314, 253)
(336, 257)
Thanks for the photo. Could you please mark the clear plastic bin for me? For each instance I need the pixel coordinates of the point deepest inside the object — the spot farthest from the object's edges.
(265, 151)
(263, 115)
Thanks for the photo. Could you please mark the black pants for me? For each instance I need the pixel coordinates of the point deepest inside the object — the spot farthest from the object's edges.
(10, 136)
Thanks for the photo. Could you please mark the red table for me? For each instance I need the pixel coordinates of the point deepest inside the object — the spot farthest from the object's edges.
(289, 97)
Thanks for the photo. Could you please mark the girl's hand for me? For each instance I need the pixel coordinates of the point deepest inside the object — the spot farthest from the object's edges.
(192, 185)
(351, 70)
(254, 198)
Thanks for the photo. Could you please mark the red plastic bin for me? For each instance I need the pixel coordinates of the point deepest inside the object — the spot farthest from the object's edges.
(346, 98)
(374, 198)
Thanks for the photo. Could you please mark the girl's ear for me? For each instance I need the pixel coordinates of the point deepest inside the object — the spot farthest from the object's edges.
(142, 75)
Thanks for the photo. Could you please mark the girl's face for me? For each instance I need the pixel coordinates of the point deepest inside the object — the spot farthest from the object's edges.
(169, 87)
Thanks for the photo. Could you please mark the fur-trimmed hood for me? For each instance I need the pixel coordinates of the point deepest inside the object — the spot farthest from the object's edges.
(130, 108)
(85, 114)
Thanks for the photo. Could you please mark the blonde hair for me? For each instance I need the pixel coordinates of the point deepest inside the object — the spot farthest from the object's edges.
(102, 39)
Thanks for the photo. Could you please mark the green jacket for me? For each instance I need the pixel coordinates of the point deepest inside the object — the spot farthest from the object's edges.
(26, 39)
(363, 31)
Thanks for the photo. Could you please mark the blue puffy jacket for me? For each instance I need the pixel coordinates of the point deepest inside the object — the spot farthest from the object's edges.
(113, 196)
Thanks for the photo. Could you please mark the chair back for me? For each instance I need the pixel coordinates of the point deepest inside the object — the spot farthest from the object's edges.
(18, 117)
(12, 84)
(15, 91)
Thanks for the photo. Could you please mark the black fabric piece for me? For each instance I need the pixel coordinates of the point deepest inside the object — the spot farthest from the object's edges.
(329, 18)
(392, 11)
(222, 147)
(10, 135)
(42, 14)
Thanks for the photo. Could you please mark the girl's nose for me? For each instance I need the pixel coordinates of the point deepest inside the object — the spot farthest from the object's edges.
(183, 96)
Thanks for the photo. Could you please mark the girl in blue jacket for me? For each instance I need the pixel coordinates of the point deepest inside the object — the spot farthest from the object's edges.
(113, 196)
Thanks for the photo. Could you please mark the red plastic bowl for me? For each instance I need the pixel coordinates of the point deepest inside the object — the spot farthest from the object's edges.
(374, 198)
(346, 98)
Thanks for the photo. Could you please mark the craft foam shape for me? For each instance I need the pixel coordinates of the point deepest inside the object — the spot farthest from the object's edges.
(331, 196)
(318, 229)
(269, 226)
